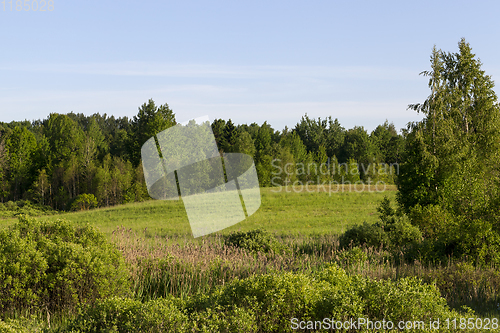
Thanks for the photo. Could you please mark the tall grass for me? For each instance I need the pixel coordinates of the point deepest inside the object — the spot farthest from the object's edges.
(165, 266)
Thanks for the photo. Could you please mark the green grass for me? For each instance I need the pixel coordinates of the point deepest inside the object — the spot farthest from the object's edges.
(294, 212)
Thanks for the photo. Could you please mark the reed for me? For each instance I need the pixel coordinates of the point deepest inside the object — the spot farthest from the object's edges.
(163, 266)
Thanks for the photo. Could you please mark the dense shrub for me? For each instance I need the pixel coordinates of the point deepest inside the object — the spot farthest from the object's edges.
(6, 328)
(354, 256)
(226, 319)
(268, 302)
(447, 235)
(127, 315)
(274, 299)
(84, 202)
(392, 231)
(432, 220)
(21, 325)
(53, 265)
(370, 235)
(24, 207)
(257, 240)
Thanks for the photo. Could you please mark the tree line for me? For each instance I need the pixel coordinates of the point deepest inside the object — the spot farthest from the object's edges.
(55, 160)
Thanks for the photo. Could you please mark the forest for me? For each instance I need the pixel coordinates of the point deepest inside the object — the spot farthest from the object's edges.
(53, 161)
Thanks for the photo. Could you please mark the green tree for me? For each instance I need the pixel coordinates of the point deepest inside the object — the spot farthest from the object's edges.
(4, 153)
(149, 121)
(358, 147)
(93, 144)
(84, 202)
(230, 135)
(218, 126)
(65, 138)
(388, 144)
(321, 132)
(41, 187)
(21, 146)
(104, 181)
(462, 123)
(452, 156)
(244, 144)
(297, 147)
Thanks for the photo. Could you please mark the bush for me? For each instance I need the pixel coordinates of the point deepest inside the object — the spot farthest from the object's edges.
(256, 241)
(54, 265)
(227, 319)
(354, 256)
(127, 315)
(160, 315)
(447, 235)
(24, 207)
(405, 299)
(272, 300)
(370, 235)
(84, 202)
(267, 303)
(402, 234)
(432, 220)
(6, 328)
(393, 231)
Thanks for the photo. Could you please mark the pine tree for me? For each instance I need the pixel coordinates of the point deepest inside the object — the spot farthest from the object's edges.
(149, 121)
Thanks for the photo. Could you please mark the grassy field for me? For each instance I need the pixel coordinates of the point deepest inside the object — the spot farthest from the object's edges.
(175, 268)
(283, 211)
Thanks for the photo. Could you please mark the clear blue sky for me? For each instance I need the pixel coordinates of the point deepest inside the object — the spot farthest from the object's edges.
(250, 61)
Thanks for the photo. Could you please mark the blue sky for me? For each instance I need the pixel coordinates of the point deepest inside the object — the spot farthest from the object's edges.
(250, 61)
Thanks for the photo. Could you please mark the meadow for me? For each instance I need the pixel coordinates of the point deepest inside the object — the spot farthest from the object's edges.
(253, 276)
(282, 211)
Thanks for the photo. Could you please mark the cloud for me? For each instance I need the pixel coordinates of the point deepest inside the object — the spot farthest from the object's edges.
(217, 71)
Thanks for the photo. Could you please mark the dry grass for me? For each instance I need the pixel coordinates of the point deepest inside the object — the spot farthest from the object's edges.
(182, 267)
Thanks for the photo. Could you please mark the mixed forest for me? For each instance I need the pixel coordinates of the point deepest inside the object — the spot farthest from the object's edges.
(55, 160)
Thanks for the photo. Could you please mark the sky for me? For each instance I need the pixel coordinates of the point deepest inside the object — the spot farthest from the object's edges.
(248, 61)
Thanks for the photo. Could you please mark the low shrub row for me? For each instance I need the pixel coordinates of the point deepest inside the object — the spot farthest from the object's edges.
(269, 302)
(24, 207)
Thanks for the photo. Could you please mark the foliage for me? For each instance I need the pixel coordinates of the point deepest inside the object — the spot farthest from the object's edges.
(257, 240)
(84, 202)
(316, 133)
(12, 326)
(53, 161)
(267, 303)
(56, 266)
(150, 121)
(450, 172)
(273, 299)
(24, 207)
(393, 231)
(127, 315)
(365, 234)
(353, 256)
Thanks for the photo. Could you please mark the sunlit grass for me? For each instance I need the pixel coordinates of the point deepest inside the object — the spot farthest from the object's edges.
(282, 211)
